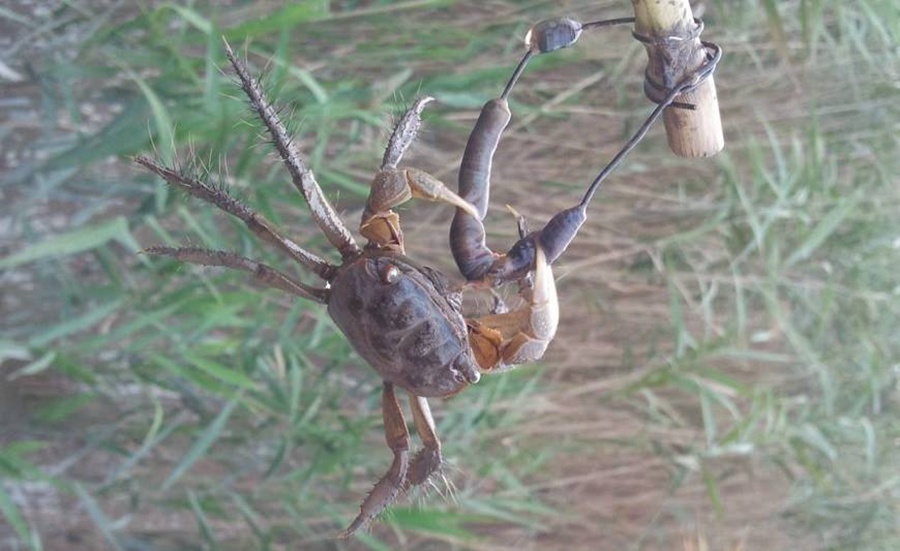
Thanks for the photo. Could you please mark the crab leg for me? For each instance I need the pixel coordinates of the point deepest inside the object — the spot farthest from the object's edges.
(262, 273)
(393, 186)
(304, 179)
(404, 133)
(254, 221)
(428, 459)
(394, 479)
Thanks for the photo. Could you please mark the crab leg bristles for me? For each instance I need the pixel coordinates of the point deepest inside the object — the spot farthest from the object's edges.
(261, 227)
(394, 480)
(262, 273)
(304, 179)
(428, 459)
(404, 133)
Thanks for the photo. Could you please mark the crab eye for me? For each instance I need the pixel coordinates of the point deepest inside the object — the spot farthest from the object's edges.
(389, 274)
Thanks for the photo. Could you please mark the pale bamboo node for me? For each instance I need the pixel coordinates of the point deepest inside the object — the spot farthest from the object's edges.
(671, 36)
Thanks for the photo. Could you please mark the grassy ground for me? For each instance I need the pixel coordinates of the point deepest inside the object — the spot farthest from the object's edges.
(725, 374)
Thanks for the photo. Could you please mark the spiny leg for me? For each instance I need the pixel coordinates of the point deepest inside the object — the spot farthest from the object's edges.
(261, 227)
(304, 179)
(262, 273)
(428, 459)
(394, 479)
(404, 133)
(393, 186)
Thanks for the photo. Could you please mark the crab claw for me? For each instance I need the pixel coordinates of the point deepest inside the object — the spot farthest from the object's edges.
(501, 341)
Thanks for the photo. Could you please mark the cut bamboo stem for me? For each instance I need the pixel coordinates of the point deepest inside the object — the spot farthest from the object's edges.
(675, 51)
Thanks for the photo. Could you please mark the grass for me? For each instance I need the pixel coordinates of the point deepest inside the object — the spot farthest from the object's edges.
(726, 369)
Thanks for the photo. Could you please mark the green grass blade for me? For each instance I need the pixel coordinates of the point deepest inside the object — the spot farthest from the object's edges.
(202, 444)
(81, 323)
(99, 517)
(165, 130)
(14, 517)
(80, 240)
(202, 523)
(221, 372)
(825, 229)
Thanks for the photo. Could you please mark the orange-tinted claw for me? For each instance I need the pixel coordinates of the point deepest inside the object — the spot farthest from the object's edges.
(486, 343)
(500, 341)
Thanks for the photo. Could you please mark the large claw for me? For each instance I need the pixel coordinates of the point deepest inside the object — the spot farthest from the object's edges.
(501, 341)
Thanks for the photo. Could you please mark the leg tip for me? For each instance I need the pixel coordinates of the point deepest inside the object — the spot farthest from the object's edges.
(360, 521)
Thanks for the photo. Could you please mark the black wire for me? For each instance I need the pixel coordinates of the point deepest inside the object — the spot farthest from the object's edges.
(608, 22)
(516, 74)
(531, 53)
(687, 84)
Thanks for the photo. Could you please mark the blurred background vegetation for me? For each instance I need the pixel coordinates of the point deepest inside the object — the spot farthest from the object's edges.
(726, 370)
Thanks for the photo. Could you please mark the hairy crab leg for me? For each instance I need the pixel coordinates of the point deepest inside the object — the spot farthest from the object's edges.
(261, 227)
(394, 479)
(428, 459)
(393, 186)
(262, 273)
(304, 179)
(404, 133)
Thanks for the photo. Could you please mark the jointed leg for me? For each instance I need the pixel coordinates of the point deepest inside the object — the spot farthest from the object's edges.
(393, 186)
(261, 227)
(404, 133)
(304, 179)
(394, 479)
(428, 459)
(262, 273)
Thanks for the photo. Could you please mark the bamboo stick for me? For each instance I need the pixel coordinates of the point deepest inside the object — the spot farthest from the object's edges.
(691, 132)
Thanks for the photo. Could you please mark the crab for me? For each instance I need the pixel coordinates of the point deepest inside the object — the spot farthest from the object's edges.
(405, 319)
